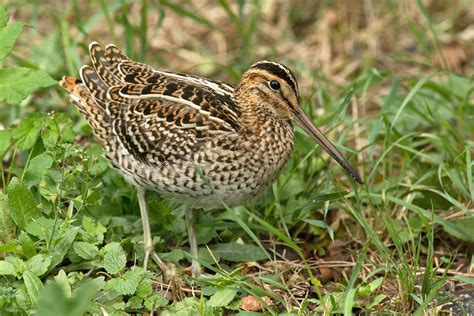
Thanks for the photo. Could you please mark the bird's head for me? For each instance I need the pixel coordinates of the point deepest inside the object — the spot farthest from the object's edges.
(273, 88)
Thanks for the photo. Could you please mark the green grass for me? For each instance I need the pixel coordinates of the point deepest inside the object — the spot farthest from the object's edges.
(70, 231)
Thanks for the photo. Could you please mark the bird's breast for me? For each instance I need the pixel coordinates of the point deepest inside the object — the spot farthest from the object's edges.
(226, 170)
(254, 164)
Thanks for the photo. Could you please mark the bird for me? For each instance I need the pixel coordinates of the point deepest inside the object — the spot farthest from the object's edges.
(204, 142)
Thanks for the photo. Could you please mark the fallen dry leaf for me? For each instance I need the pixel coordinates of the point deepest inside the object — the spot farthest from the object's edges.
(327, 274)
(251, 303)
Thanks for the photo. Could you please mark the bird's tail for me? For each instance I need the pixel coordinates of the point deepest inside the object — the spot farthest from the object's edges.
(81, 98)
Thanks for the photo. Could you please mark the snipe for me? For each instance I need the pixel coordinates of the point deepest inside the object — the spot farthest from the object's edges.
(202, 141)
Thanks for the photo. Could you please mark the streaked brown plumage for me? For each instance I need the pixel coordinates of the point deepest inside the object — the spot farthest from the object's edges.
(163, 129)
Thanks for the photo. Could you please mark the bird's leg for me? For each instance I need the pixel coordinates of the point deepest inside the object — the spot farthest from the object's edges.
(149, 251)
(191, 223)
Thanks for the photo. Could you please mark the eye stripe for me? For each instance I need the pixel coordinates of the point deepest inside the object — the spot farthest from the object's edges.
(280, 71)
(280, 92)
(287, 101)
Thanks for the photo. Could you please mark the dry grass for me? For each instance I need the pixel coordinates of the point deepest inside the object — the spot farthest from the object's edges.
(329, 44)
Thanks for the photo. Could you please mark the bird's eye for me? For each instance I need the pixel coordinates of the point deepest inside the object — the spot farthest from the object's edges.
(275, 85)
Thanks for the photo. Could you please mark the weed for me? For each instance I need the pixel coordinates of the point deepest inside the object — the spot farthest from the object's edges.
(393, 80)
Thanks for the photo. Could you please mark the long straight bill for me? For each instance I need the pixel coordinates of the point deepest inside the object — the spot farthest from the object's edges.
(305, 123)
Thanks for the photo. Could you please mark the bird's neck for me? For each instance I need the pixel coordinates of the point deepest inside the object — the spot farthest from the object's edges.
(254, 110)
(257, 120)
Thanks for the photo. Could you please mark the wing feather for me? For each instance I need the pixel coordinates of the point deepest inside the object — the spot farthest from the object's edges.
(156, 115)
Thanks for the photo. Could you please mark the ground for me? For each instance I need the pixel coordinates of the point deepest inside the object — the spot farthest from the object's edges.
(390, 82)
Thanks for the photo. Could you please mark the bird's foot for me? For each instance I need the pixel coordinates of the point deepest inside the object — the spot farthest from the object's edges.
(168, 270)
(196, 269)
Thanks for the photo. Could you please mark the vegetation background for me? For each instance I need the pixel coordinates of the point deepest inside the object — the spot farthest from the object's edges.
(389, 81)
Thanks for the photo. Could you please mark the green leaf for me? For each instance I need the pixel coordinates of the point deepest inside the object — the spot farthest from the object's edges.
(7, 226)
(188, 306)
(50, 133)
(155, 301)
(44, 228)
(6, 268)
(63, 281)
(464, 278)
(10, 246)
(84, 296)
(208, 257)
(5, 141)
(46, 52)
(85, 250)
(33, 286)
(9, 34)
(349, 301)
(54, 301)
(22, 204)
(38, 264)
(367, 290)
(174, 255)
(190, 14)
(128, 283)
(62, 244)
(27, 132)
(18, 264)
(134, 302)
(377, 300)
(461, 229)
(55, 127)
(36, 168)
(17, 83)
(27, 245)
(321, 224)
(322, 199)
(93, 231)
(3, 15)
(238, 252)
(222, 298)
(144, 289)
(114, 259)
